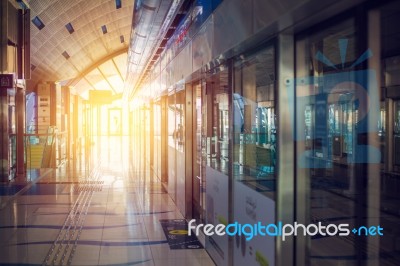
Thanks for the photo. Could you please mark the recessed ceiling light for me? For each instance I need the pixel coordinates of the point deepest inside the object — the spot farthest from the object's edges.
(70, 28)
(104, 29)
(38, 22)
(118, 4)
(66, 55)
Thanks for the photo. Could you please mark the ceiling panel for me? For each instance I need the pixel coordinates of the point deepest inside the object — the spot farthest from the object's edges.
(117, 83)
(108, 69)
(94, 77)
(86, 46)
(121, 62)
(102, 85)
(82, 86)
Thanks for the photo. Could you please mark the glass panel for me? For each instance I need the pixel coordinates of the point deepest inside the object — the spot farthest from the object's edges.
(198, 169)
(215, 103)
(114, 121)
(389, 137)
(179, 133)
(396, 134)
(254, 157)
(180, 147)
(157, 138)
(218, 122)
(171, 127)
(328, 102)
(382, 133)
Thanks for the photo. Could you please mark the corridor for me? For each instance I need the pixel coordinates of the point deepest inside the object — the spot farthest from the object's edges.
(271, 126)
(105, 210)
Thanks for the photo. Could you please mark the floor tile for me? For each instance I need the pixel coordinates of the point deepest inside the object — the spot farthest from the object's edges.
(119, 217)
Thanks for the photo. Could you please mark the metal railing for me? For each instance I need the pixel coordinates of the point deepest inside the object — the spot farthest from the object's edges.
(44, 150)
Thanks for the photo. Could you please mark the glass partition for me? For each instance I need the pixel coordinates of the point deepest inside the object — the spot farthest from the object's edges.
(157, 137)
(331, 129)
(215, 138)
(179, 132)
(217, 121)
(388, 196)
(396, 134)
(172, 135)
(254, 156)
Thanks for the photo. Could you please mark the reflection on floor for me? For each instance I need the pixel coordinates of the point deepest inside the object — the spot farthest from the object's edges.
(104, 210)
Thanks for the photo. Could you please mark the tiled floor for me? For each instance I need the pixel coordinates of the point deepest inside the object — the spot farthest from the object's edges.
(111, 219)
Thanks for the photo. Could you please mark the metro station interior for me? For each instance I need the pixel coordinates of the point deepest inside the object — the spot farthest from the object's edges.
(122, 119)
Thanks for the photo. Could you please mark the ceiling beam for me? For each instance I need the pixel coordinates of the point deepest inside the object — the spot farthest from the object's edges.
(109, 84)
(119, 72)
(95, 65)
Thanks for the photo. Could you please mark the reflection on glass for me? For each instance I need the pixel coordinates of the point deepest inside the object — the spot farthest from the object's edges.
(179, 133)
(388, 194)
(382, 121)
(254, 151)
(396, 129)
(157, 138)
(342, 118)
(397, 118)
(171, 152)
(349, 122)
(217, 128)
(309, 123)
(330, 102)
(171, 120)
(198, 191)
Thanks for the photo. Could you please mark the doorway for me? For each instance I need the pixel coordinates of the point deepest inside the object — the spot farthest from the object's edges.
(114, 122)
(197, 196)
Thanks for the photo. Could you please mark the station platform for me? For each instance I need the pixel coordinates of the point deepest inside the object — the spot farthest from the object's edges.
(103, 210)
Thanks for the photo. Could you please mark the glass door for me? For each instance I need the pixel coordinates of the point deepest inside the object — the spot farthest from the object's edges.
(396, 134)
(197, 196)
(328, 101)
(114, 121)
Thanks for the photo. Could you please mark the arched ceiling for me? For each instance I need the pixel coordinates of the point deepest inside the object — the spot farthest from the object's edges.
(61, 54)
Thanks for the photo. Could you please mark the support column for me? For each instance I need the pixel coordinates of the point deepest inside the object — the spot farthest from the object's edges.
(151, 136)
(164, 140)
(285, 254)
(3, 35)
(67, 121)
(374, 175)
(74, 128)
(189, 124)
(20, 126)
(4, 137)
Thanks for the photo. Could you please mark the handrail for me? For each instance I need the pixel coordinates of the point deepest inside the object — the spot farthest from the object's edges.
(52, 143)
(36, 135)
(40, 134)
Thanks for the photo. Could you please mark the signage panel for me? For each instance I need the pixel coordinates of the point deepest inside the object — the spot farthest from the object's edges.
(6, 81)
